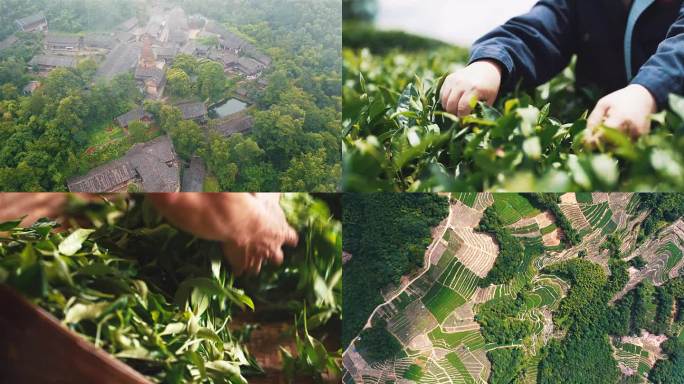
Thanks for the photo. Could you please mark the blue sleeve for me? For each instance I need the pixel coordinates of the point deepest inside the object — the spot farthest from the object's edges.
(533, 47)
(663, 73)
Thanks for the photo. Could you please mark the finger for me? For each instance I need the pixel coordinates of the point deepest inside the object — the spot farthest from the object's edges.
(236, 261)
(597, 115)
(454, 99)
(444, 94)
(277, 257)
(290, 237)
(464, 104)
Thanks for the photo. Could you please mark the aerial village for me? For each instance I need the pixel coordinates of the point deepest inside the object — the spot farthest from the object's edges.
(146, 50)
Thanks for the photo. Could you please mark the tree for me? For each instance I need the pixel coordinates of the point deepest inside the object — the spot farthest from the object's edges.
(376, 344)
(278, 132)
(211, 80)
(87, 68)
(188, 138)
(9, 91)
(185, 63)
(169, 117)
(70, 113)
(309, 172)
(137, 131)
(179, 83)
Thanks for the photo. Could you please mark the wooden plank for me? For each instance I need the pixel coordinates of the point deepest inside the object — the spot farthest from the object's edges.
(36, 348)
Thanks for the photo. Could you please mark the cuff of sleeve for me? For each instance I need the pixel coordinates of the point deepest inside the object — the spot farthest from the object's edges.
(494, 53)
(658, 83)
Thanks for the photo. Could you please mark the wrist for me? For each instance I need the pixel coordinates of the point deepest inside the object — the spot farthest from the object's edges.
(646, 95)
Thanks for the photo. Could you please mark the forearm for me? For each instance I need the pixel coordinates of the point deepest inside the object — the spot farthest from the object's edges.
(663, 73)
(533, 47)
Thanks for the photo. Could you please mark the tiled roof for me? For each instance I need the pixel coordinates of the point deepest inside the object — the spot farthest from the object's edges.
(154, 164)
(33, 19)
(121, 59)
(54, 61)
(192, 111)
(131, 116)
(58, 39)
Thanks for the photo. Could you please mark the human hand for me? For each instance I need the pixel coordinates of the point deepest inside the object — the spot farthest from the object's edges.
(252, 227)
(628, 110)
(481, 79)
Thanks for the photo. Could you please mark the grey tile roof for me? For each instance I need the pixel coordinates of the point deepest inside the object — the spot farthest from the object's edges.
(136, 114)
(104, 178)
(157, 164)
(154, 164)
(32, 19)
(59, 39)
(236, 124)
(193, 111)
(155, 74)
(54, 61)
(99, 40)
(225, 57)
(166, 52)
(123, 58)
(250, 66)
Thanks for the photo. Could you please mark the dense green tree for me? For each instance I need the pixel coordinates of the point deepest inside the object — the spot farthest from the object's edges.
(185, 63)
(501, 323)
(211, 81)
(178, 83)
(188, 139)
(507, 365)
(169, 117)
(387, 235)
(511, 251)
(376, 344)
(310, 172)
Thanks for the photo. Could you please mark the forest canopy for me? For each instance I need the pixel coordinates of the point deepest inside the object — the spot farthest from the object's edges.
(387, 235)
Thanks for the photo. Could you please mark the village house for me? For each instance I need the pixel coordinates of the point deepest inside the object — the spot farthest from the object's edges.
(150, 77)
(137, 114)
(31, 87)
(249, 67)
(49, 62)
(238, 123)
(33, 23)
(153, 166)
(57, 42)
(99, 41)
(166, 54)
(122, 59)
(151, 80)
(177, 27)
(196, 111)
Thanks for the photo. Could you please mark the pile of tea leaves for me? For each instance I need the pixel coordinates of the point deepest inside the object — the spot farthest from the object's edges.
(161, 300)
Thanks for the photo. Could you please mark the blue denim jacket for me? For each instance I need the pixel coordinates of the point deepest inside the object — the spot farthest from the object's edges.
(535, 47)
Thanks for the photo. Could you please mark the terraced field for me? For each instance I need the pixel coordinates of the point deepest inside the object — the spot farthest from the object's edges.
(512, 207)
(434, 317)
(441, 301)
(467, 198)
